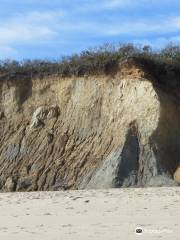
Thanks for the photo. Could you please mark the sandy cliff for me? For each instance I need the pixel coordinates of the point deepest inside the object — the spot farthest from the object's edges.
(88, 132)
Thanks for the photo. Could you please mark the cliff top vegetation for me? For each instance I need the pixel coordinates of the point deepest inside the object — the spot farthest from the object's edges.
(163, 64)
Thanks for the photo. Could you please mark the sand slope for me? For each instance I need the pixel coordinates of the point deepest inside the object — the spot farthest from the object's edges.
(107, 214)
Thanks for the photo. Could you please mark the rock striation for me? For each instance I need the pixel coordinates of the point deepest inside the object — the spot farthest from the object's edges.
(104, 131)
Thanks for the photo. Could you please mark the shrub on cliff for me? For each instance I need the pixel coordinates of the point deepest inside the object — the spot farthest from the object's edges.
(100, 60)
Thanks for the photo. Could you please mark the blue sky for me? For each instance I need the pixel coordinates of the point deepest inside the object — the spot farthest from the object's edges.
(52, 28)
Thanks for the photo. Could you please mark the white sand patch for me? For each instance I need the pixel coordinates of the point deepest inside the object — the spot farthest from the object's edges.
(97, 214)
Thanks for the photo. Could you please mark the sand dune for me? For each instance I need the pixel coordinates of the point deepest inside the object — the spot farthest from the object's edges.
(94, 214)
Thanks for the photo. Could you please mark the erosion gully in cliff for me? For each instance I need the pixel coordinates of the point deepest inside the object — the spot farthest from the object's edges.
(104, 131)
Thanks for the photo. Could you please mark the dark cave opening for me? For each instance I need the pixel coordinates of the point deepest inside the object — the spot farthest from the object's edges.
(129, 164)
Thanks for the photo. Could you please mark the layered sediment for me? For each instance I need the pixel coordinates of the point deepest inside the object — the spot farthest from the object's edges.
(114, 130)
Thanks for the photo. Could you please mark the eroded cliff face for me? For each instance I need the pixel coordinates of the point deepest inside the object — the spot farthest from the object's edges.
(87, 132)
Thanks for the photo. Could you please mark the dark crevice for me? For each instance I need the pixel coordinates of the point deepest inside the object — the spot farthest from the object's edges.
(129, 164)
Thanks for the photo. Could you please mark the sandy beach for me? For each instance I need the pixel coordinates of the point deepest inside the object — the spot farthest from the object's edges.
(94, 214)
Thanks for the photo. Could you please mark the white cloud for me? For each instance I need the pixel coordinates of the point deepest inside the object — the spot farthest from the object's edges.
(8, 52)
(158, 42)
(140, 27)
(175, 39)
(102, 5)
(73, 22)
(116, 4)
(34, 26)
(23, 33)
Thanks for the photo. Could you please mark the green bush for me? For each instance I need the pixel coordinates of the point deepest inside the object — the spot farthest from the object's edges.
(164, 64)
